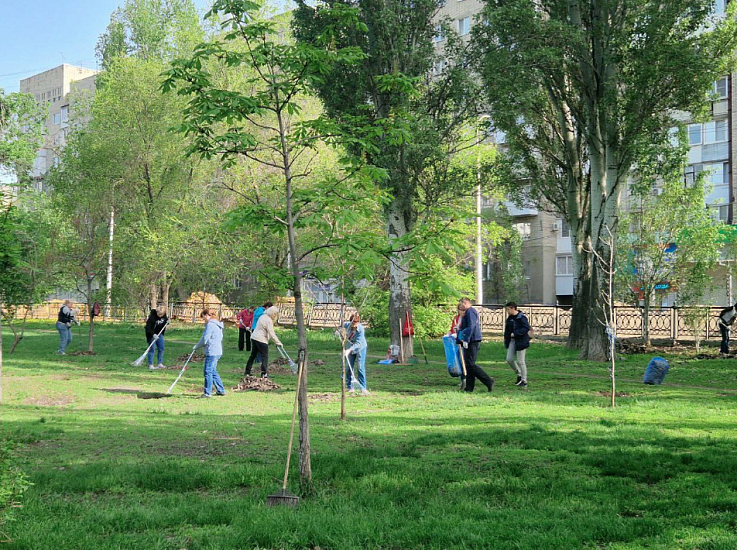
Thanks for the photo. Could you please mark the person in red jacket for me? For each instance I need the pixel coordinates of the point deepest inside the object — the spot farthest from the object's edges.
(245, 319)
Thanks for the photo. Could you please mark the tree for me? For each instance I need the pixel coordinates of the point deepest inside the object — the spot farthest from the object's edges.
(426, 120)
(264, 123)
(21, 123)
(582, 88)
(669, 243)
(152, 30)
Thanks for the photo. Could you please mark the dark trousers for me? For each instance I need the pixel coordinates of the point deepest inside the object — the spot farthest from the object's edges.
(244, 334)
(473, 371)
(259, 348)
(725, 338)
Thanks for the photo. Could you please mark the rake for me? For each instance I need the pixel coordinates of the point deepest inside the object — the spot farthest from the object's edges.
(156, 395)
(284, 354)
(138, 362)
(284, 497)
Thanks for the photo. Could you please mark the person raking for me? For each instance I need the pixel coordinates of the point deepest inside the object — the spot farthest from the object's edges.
(212, 341)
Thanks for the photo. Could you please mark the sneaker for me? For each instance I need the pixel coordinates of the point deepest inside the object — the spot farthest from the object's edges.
(204, 396)
(364, 391)
(151, 367)
(220, 394)
(519, 379)
(351, 391)
(266, 376)
(462, 385)
(60, 353)
(160, 366)
(490, 387)
(522, 384)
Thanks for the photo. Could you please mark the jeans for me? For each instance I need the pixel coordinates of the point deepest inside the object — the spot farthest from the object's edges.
(516, 360)
(244, 334)
(473, 371)
(159, 347)
(724, 348)
(212, 376)
(65, 336)
(360, 372)
(259, 349)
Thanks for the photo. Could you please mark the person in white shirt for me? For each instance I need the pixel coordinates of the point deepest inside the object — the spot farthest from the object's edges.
(263, 333)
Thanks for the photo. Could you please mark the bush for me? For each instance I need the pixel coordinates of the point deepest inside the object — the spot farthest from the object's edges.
(13, 483)
(428, 321)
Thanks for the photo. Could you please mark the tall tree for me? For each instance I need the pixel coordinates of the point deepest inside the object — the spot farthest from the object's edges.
(393, 88)
(21, 125)
(265, 123)
(153, 30)
(582, 88)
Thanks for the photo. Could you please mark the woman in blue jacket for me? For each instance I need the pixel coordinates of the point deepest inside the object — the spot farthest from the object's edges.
(212, 341)
(356, 353)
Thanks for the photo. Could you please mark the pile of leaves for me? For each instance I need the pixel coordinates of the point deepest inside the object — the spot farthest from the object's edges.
(195, 358)
(256, 384)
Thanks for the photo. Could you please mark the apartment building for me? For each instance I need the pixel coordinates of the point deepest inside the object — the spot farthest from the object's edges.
(52, 88)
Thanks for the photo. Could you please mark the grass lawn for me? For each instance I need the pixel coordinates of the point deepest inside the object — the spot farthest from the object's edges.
(416, 465)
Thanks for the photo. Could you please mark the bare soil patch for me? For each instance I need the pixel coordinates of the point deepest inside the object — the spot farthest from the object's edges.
(49, 400)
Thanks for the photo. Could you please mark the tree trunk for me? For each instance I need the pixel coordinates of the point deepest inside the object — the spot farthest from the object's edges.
(109, 289)
(18, 337)
(305, 451)
(90, 304)
(646, 319)
(165, 294)
(153, 297)
(400, 295)
(1, 352)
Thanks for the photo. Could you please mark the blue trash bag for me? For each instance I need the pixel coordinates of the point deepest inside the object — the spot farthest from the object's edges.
(451, 356)
(656, 370)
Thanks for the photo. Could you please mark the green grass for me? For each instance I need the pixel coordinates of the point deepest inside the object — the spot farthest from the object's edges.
(416, 465)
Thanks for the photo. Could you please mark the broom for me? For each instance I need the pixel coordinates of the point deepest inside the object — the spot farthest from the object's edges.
(284, 497)
(138, 362)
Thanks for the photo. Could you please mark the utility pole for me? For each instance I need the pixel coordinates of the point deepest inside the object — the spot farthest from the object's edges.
(109, 296)
(479, 248)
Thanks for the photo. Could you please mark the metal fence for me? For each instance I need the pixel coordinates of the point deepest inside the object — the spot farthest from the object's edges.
(665, 323)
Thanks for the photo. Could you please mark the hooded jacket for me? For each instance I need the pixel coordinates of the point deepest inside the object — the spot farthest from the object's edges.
(265, 327)
(517, 327)
(154, 324)
(258, 312)
(356, 338)
(212, 338)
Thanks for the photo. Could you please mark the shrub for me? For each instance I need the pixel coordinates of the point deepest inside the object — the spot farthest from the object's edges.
(13, 483)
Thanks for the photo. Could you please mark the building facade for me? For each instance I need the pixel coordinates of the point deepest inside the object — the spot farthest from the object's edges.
(54, 89)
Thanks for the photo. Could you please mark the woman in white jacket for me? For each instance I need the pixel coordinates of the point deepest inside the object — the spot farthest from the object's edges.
(262, 334)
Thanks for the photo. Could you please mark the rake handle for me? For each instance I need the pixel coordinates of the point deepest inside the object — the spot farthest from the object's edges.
(181, 372)
(291, 430)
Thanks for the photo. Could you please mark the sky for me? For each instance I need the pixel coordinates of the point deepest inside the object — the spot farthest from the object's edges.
(38, 35)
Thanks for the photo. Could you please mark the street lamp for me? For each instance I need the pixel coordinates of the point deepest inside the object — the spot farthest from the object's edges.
(479, 251)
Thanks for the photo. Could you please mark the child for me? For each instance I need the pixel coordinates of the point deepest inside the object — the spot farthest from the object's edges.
(212, 341)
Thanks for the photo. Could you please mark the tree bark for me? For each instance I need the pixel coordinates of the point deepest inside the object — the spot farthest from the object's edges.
(90, 341)
(1, 352)
(305, 451)
(400, 294)
(153, 297)
(109, 289)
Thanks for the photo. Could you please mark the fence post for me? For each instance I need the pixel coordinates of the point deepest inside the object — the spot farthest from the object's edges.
(674, 322)
(556, 321)
(220, 314)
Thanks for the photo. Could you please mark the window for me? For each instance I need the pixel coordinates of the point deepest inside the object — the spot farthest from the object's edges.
(720, 88)
(564, 265)
(56, 161)
(57, 118)
(694, 134)
(524, 229)
(692, 171)
(438, 34)
(718, 173)
(565, 229)
(528, 270)
(65, 113)
(723, 213)
(464, 26)
(438, 67)
(715, 131)
(719, 7)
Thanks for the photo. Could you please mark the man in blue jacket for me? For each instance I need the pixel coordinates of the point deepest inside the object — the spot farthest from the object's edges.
(517, 340)
(469, 337)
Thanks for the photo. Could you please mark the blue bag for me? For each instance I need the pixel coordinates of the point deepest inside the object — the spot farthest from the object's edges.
(451, 356)
(656, 370)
